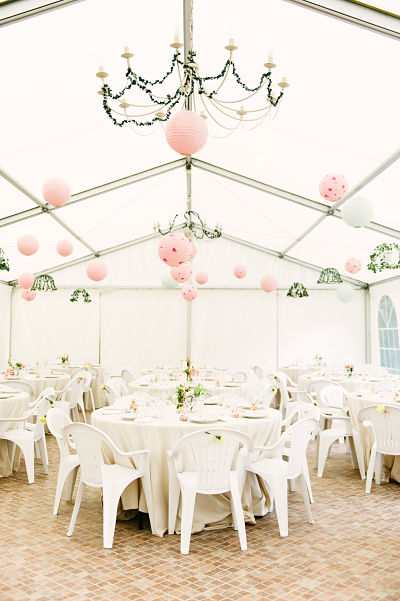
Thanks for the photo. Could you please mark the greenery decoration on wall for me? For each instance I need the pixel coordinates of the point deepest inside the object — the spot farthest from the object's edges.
(329, 275)
(44, 283)
(385, 256)
(80, 292)
(297, 290)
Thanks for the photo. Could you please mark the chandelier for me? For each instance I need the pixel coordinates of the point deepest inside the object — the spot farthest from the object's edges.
(193, 225)
(142, 102)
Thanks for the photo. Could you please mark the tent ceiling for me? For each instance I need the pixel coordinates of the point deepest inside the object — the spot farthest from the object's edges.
(340, 114)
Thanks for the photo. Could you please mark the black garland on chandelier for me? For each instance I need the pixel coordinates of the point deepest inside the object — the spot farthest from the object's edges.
(184, 91)
(195, 224)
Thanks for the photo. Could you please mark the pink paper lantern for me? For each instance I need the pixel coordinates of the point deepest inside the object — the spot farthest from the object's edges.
(174, 249)
(186, 132)
(333, 187)
(240, 272)
(201, 277)
(96, 270)
(189, 292)
(56, 192)
(193, 250)
(26, 280)
(268, 283)
(28, 295)
(27, 244)
(64, 247)
(181, 273)
(353, 265)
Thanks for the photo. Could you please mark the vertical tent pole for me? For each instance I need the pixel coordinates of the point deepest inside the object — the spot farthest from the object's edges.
(99, 328)
(277, 329)
(11, 325)
(367, 314)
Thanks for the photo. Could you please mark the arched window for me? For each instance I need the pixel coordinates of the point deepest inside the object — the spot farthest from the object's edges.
(388, 335)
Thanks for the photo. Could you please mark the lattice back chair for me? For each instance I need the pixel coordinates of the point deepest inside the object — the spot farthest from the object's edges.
(56, 420)
(384, 420)
(117, 384)
(72, 394)
(113, 479)
(218, 457)
(276, 472)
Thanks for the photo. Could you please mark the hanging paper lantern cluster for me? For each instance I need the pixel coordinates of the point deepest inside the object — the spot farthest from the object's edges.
(329, 275)
(26, 280)
(333, 187)
(240, 272)
(297, 290)
(357, 212)
(189, 292)
(27, 244)
(168, 283)
(182, 273)
(56, 192)
(96, 270)
(174, 249)
(201, 278)
(186, 132)
(268, 283)
(353, 265)
(345, 293)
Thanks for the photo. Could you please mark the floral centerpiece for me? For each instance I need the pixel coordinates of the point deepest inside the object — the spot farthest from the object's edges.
(64, 359)
(350, 369)
(187, 395)
(14, 368)
(190, 371)
(317, 359)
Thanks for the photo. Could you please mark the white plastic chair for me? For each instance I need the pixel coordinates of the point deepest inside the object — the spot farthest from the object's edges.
(113, 479)
(219, 457)
(23, 387)
(341, 428)
(56, 420)
(385, 425)
(291, 386)
(259, 372)
(25, 438)
(276, 472)
(75, 389)
(118, 385)
(239, 376)
(81, 371)
(128, 375)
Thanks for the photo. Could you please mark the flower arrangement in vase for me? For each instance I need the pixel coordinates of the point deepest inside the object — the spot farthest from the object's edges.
(317, 359)
(187, 395)
(64, 359)
(14, 368)
(350, 369)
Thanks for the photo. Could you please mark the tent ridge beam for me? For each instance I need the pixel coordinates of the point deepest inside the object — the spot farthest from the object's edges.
(30, 8)
(96, 191)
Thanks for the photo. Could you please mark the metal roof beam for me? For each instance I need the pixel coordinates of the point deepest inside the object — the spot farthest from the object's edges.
(356, 13)
(332, 210)
(17, 10)
(392, 279)
(96, 191)
(293, 260)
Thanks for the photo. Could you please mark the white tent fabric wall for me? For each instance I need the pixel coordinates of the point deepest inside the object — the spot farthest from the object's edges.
(5, 295)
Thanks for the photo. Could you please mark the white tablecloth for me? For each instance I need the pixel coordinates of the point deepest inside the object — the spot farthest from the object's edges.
(167, 389)
(351, 384)
(56, 381)
(391, 465)
(162, 435)
(295, 371)
(12, 406)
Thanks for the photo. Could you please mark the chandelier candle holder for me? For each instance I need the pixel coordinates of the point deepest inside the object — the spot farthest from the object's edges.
(44, 283)
(193, 225)
(385, 256)
(143, 102)
(297, 290)
(329, 275)
(80, 292)
(4, 263)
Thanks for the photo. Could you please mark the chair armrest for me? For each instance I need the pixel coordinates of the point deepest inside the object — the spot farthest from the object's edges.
(337, 417)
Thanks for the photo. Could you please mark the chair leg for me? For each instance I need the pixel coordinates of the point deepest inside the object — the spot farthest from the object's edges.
(82, 407)
(279, 489)
(188, 501)
(12, 458)
(357, 453)
(237, 511)
(378, 468)
(306, 499)
(71, 479)
(173, 501)
(45, 447)
(43, 454)
(28, 451)
(317, 451)
(77, 505)
(292, 485)
(370, 471)
(325, 444)
(146, 483)
(110, 506)
(37, 452)
(92, 399)
(308, 481)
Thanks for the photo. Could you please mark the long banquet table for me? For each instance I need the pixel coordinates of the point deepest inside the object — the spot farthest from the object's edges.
(12, 404)
(160, 435)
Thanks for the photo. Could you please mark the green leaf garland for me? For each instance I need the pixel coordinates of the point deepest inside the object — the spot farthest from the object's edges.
(44, 283)
(379, 257)
(297, 290)
(80, 292)
(329, 275)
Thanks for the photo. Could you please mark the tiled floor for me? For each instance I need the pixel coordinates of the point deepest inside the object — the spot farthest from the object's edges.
(351, 553)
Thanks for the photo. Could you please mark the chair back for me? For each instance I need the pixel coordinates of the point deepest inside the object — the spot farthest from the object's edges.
(128, 375)
(385, 423)
(317, 384)
(332, 395)
(78, 385)
(302, 410)
(239, 376)
(88, 441)
(56, 420)
(22, 386)
(215, 452)
(40, 410)
(259, 372)
(294, 444)
(118, 385)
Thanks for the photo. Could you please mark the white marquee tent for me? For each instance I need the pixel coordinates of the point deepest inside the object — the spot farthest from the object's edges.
(341, 113)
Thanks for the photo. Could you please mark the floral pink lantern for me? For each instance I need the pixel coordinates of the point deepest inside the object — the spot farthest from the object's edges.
(26, 280)
(28, 295)
(181, 273)
(268, 283)
(186, 132)
(189, 292)
(27, 244)
(333, 187)
(64, 248)
(353, 265)
(240, 272)
(174, 249)
(201, 278)
(193, 250)
(56, 192)
(96, 270)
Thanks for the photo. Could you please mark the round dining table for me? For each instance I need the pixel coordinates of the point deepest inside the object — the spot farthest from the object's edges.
(159, 433)
(12, 404)
(167, 388)
(354, 383)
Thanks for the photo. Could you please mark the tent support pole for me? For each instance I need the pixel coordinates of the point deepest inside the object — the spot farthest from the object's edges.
(277, 329)
(100, 327)
(367, 312)
(11, 326)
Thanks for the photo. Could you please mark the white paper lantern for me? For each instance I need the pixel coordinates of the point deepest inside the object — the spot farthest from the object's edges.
(345, 293)
(357, 212)
(168, 283)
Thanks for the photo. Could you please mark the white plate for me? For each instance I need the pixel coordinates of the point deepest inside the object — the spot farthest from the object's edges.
(111, 411)
(203, 420)
(52, 376)
(255, 414)
(210, 402)
(129, 418)
(144, 385)
(232, 384)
